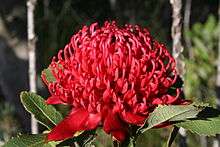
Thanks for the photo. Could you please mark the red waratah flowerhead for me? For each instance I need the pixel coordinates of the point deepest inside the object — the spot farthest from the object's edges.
(112, 77)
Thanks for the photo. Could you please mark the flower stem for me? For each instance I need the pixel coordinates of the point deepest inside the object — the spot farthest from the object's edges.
(115, 143)
(130, 142)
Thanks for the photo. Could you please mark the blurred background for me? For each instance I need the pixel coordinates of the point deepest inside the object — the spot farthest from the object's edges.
(56, 21)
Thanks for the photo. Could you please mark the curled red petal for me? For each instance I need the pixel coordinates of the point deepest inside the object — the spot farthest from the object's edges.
(113, 125)
(54, 100)
(133, 118)
(92, 121)
(119, 135)
(77, 120)
(157, 101)
(72, 123)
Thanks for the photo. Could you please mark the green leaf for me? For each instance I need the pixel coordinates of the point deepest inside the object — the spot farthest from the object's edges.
(48, 74)
(210, 25)
(34, 140)
(196, 29)
(45, 114)
(207, 123)
(201, 47)
(82, 139)
(164, 113)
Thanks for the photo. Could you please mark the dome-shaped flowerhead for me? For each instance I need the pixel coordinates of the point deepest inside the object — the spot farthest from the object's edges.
(112, 77)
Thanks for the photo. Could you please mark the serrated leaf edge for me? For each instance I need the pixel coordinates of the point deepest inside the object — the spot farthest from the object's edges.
(25, 92)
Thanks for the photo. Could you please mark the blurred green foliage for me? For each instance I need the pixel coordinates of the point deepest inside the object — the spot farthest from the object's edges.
(200, 68)
(201, 61)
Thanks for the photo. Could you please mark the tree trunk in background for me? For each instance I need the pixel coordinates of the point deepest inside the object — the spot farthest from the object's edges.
(46, 9)
(177, 50)
(186, 25)
(32, 56)
(216, 142)
(176, 31)
(113, 4)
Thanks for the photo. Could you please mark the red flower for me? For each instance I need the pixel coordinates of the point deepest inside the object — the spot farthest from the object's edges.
(112, 77)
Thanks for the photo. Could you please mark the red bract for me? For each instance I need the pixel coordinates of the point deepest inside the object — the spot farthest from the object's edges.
(112, 77)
